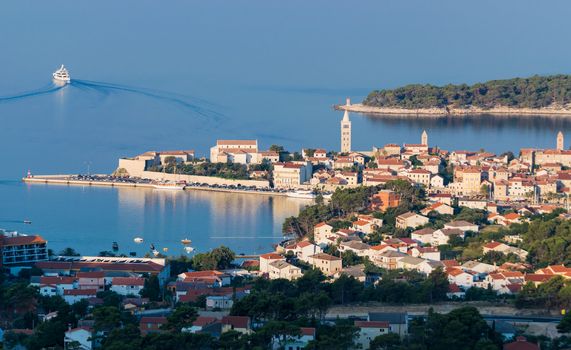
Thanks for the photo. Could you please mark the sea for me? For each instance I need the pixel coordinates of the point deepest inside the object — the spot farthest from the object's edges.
(150, 75)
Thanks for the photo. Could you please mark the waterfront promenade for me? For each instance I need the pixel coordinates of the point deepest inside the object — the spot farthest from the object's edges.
(107, 181)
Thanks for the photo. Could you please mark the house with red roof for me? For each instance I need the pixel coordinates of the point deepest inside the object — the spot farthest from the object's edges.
(20, 249)
(521, 343)
(267, 259)
(212, 278)
(302, 250)
(321, 232)
(369, 330)
(454, 291)
(55, 285)
(127, 285)
(460, 277)
(91, 280)
(72, 296)
(240, 324)
(441, 208)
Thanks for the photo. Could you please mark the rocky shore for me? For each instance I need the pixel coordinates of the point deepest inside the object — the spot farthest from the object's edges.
(441, 112)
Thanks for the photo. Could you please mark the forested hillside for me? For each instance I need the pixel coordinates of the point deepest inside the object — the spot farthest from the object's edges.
(533, 92)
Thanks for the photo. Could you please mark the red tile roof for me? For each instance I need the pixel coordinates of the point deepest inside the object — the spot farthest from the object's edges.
(128, 281)
(237, 321)
(21, 240)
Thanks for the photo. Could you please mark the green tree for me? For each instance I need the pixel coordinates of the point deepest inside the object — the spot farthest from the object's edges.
(69, 252)
(106, 318)
(152, 288)
(390, 341)
(182, 316)
(564, 325)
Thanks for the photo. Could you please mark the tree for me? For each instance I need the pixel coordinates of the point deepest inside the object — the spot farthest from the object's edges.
(152, 288)
(106, 318)
(68, 252)
(390, 341)
(276, 148)
(182, 316)
(219, 258)
(564, 325)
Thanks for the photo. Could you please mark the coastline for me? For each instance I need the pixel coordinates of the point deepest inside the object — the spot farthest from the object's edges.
(65, 180)
(455, 112)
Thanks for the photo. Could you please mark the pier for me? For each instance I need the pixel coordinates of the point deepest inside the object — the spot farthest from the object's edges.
(69, 180)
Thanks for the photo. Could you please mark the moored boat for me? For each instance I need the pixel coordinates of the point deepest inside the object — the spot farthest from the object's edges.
(185, 241)
(188, 249)
(302, 194)
(138, 240)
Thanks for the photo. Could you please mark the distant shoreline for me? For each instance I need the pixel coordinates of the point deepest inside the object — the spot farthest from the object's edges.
(457, 112)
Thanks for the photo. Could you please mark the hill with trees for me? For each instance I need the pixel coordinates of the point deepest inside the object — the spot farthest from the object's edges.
(527, 93)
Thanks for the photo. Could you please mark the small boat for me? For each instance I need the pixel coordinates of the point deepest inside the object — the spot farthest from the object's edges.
(115, 246)
(152, 246)
(61, 75)
(132, 254)
(138, 240)
(188, 249)
(185, 241)
(156, 253)
(28, 222)
(302, 194)
(165, 249)
(167, 185)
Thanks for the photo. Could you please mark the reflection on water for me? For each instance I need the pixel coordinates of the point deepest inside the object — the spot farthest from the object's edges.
(477, 122)
(246, 222)
(493, 133)
(90, 218)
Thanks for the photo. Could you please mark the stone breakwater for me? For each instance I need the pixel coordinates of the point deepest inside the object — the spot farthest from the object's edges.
(68, 180)
(441, 112)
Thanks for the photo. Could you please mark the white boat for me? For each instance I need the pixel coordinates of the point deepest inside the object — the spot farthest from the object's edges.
(156, 253)
(62, 75)
(188, 249)
(185, 241)
(168, 186)
(138, 240)
(302, 194)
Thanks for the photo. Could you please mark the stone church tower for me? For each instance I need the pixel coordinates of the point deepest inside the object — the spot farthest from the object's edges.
(560, 141)
(345, 133)
(424, 138)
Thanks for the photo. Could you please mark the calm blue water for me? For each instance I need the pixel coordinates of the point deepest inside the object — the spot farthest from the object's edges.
(153, 76)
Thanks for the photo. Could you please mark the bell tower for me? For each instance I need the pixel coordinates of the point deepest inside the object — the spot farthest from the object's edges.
(424, 138)
(560, 141)
(345, 133)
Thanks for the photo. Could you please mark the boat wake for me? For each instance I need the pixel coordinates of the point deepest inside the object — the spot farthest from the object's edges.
(47, 89)
(195, 105)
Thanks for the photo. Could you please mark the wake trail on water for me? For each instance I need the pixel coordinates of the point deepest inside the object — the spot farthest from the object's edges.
(47, 89)
(190, 103)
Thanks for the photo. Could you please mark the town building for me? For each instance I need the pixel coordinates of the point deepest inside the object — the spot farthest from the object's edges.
(385, 199)
(345, 133)
(411, 219)
(292, 174)
(328, 264)
(235, 151)
(19, 249)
